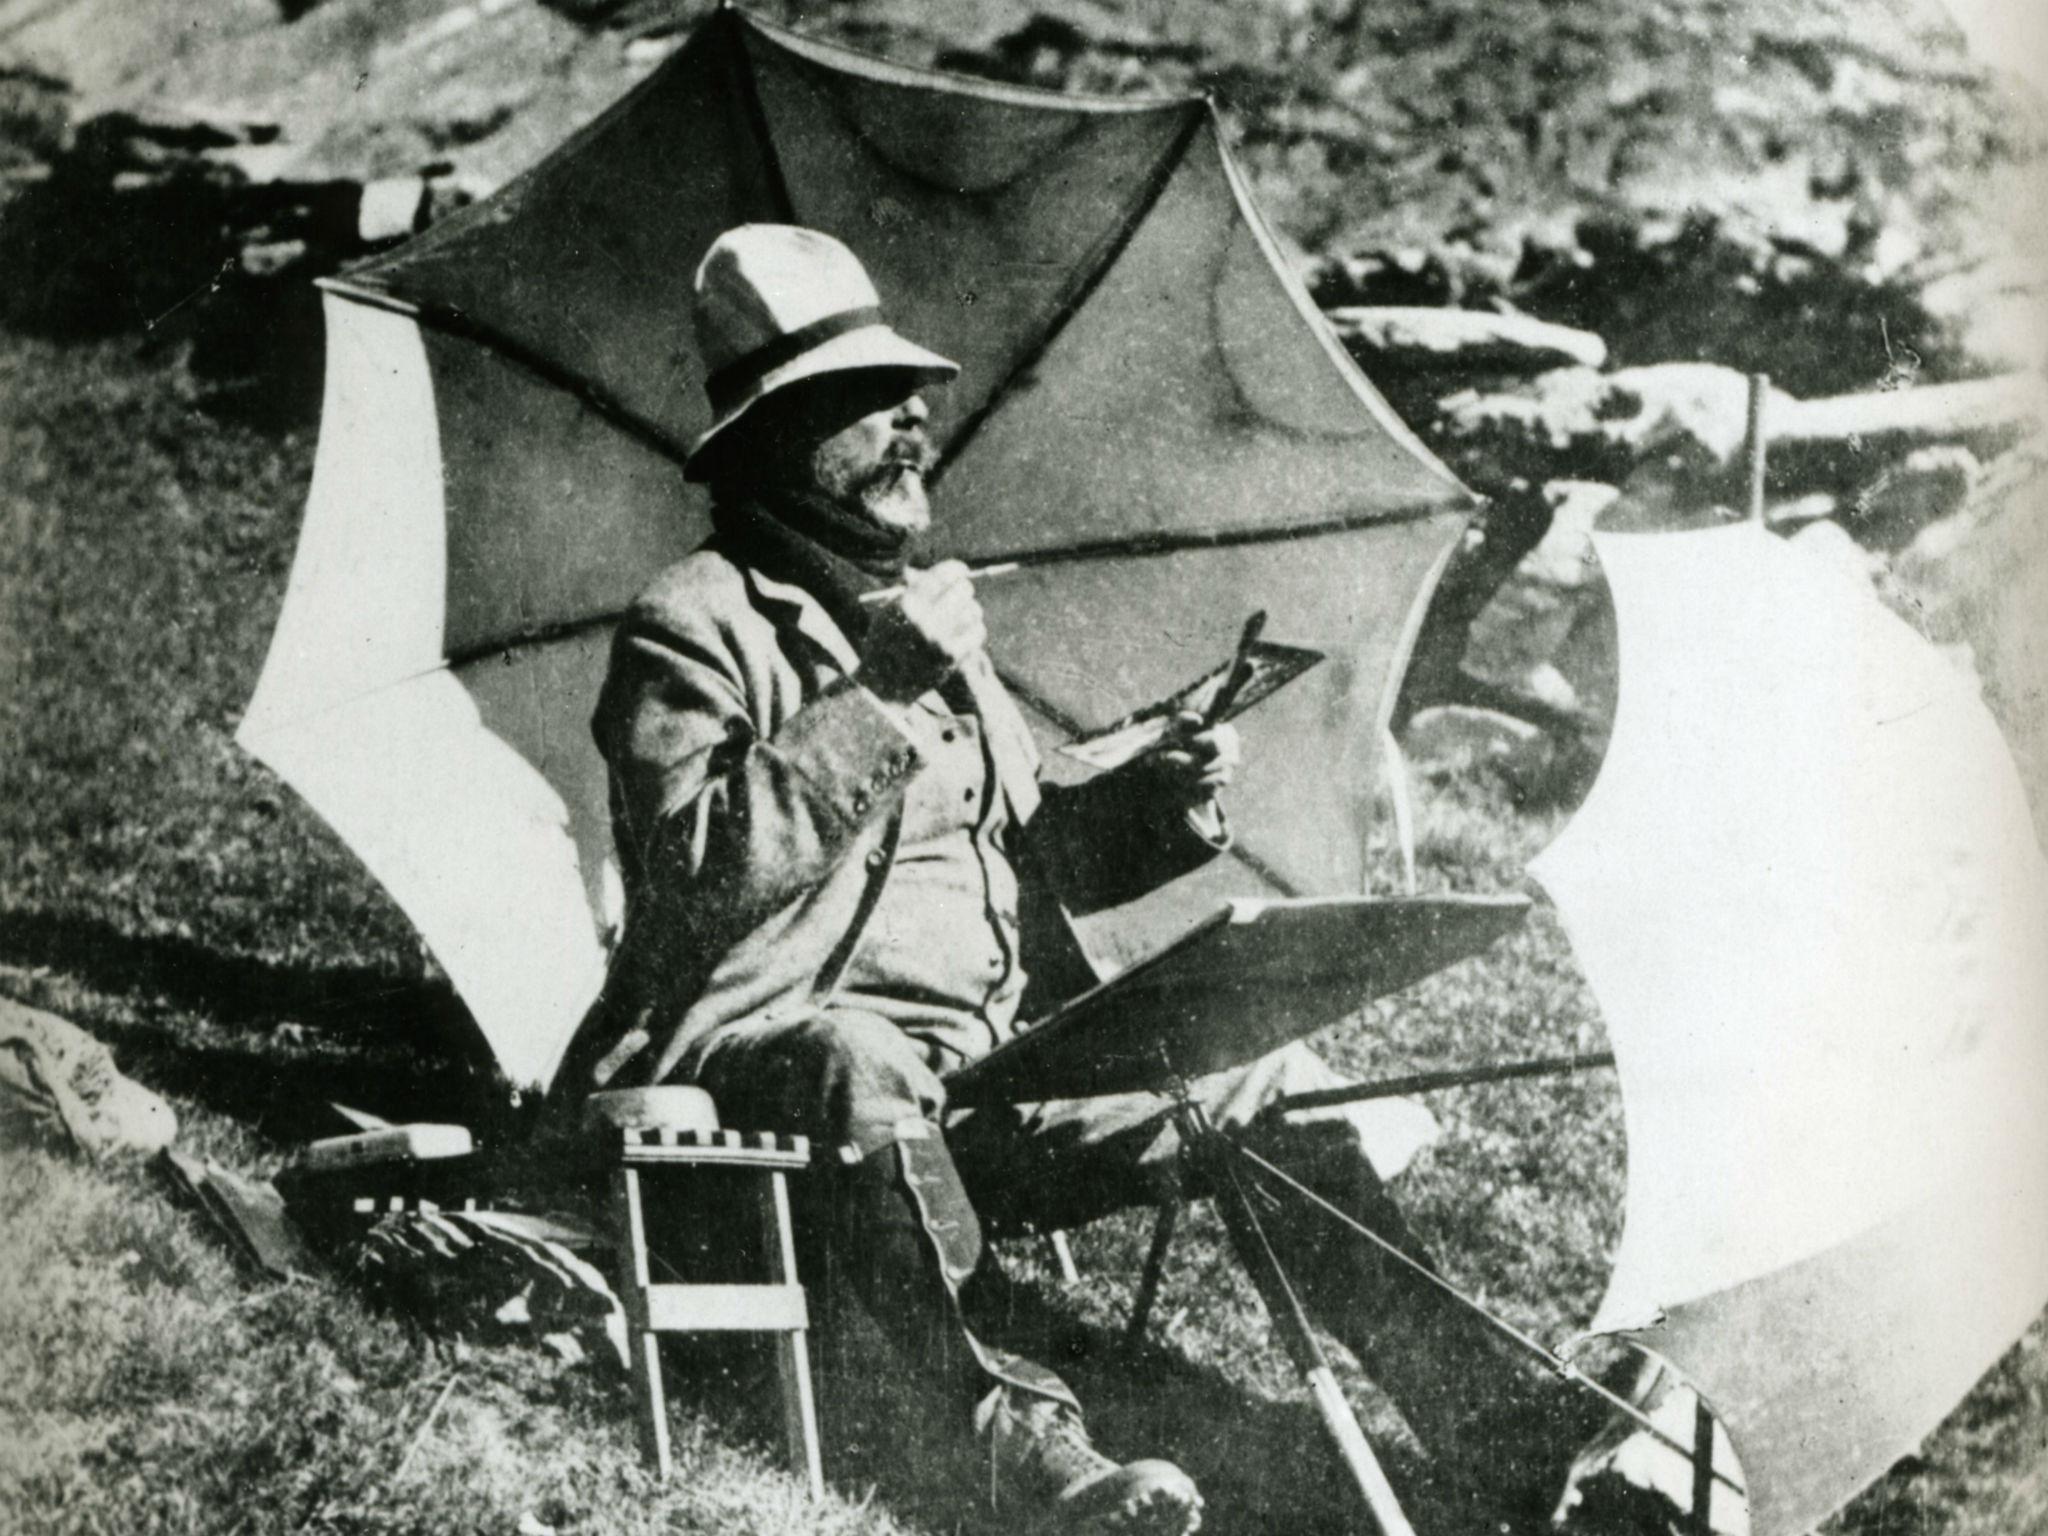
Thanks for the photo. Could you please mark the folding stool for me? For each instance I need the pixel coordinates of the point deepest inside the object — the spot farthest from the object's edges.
(671, 1133)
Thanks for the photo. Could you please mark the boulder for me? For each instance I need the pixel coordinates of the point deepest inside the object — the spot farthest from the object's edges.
(1461, 341)
(1564, 555)
(1844, 441)
(1802, 509)
(1447, 735)
(1996, 314)
(1682, 423)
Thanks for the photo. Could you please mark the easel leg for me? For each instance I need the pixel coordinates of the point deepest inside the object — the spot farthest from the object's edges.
(1212, 1154)
(792, 1349)
(645, 1351)
(1154, 1274)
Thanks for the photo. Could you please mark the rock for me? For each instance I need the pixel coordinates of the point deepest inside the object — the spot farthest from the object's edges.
(1461, 341)
(1996, 314)
(391, 208)
(1981, 412)
(1451, 738)
(1801, 509)
(1686, 422)
(1540, 763)
(1544, 684)
(56, 1079)
(153, 212)
(1451, 732)
(1564, 556)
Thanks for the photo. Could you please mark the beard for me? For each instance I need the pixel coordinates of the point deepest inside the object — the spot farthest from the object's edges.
(889, 494)
(894, 498)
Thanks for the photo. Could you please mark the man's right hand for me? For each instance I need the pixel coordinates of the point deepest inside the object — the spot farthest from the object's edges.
(917, 641)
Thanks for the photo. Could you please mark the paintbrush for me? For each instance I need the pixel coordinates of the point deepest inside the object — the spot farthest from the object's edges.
(1000, 568)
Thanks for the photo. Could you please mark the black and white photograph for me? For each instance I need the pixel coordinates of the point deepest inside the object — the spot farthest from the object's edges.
(1023, 766)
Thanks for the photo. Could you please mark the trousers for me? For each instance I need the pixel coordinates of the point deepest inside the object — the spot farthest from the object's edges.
(852, 1080)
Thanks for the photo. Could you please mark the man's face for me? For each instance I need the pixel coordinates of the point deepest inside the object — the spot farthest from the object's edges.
(875, 466)
(856, 438)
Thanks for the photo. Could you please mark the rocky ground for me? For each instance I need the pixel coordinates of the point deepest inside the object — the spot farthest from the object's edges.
(1558, 238)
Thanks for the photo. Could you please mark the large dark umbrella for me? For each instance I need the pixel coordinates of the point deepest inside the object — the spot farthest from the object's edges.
(1150, 413)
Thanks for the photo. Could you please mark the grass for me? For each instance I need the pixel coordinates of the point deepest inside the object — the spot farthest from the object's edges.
(167, 894)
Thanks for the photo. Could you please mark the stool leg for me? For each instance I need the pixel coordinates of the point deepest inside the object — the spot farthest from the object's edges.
(793, 1355)
(645, 1345)
(1062, 1256)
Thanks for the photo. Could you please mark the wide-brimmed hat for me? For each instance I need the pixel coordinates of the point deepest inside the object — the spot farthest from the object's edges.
(777, 304)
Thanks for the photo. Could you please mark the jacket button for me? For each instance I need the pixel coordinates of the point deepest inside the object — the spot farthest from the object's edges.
(860, 799)
(877, 859)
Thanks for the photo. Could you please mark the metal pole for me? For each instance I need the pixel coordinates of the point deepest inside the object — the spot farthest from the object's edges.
(1702, 1467)
(1212, 1153)
(1558, 1366)
(1756, 445)
(1456, 1077)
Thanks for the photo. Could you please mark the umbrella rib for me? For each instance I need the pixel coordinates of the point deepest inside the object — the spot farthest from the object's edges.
(1174, 541)
(749, 89)
(453, 322)
(1136, 546)
(1077, 296)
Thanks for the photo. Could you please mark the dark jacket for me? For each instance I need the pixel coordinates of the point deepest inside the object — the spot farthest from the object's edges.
(756, 792)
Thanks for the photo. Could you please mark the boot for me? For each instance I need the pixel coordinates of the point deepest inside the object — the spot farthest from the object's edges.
(1508, 1432)
(1040, 1457)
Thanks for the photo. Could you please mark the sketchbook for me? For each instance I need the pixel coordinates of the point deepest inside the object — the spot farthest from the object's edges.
(1267, 668)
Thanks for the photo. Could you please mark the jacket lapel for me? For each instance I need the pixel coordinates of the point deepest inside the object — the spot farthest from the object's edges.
(807, 614)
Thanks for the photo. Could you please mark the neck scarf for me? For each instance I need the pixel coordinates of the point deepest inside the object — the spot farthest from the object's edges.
(811, 542)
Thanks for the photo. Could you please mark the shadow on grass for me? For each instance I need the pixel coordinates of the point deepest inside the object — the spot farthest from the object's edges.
(230, 989)
(1261, 1465)
(269, 1045)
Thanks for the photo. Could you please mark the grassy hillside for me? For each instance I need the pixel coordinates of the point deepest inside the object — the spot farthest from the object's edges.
(169, 895)
(1759, 182)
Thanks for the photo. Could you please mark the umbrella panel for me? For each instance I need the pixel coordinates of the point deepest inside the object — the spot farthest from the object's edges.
(980, 212)
(1084, 644)
(553, 517)
(584, 261)
(1193, 393)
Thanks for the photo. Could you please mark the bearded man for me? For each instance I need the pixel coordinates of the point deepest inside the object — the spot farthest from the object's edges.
(843, 879)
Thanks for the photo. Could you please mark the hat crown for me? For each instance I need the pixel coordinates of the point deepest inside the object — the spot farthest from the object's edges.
(761, 282)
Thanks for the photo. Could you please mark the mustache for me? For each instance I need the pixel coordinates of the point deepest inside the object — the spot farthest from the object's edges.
(910, 453)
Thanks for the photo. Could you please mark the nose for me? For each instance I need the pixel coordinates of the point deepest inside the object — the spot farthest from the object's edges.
(911, 413)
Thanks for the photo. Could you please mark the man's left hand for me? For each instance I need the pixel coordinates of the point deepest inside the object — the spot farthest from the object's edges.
(1194, 760)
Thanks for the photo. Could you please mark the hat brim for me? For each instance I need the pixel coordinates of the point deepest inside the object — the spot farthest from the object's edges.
(871, 346)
